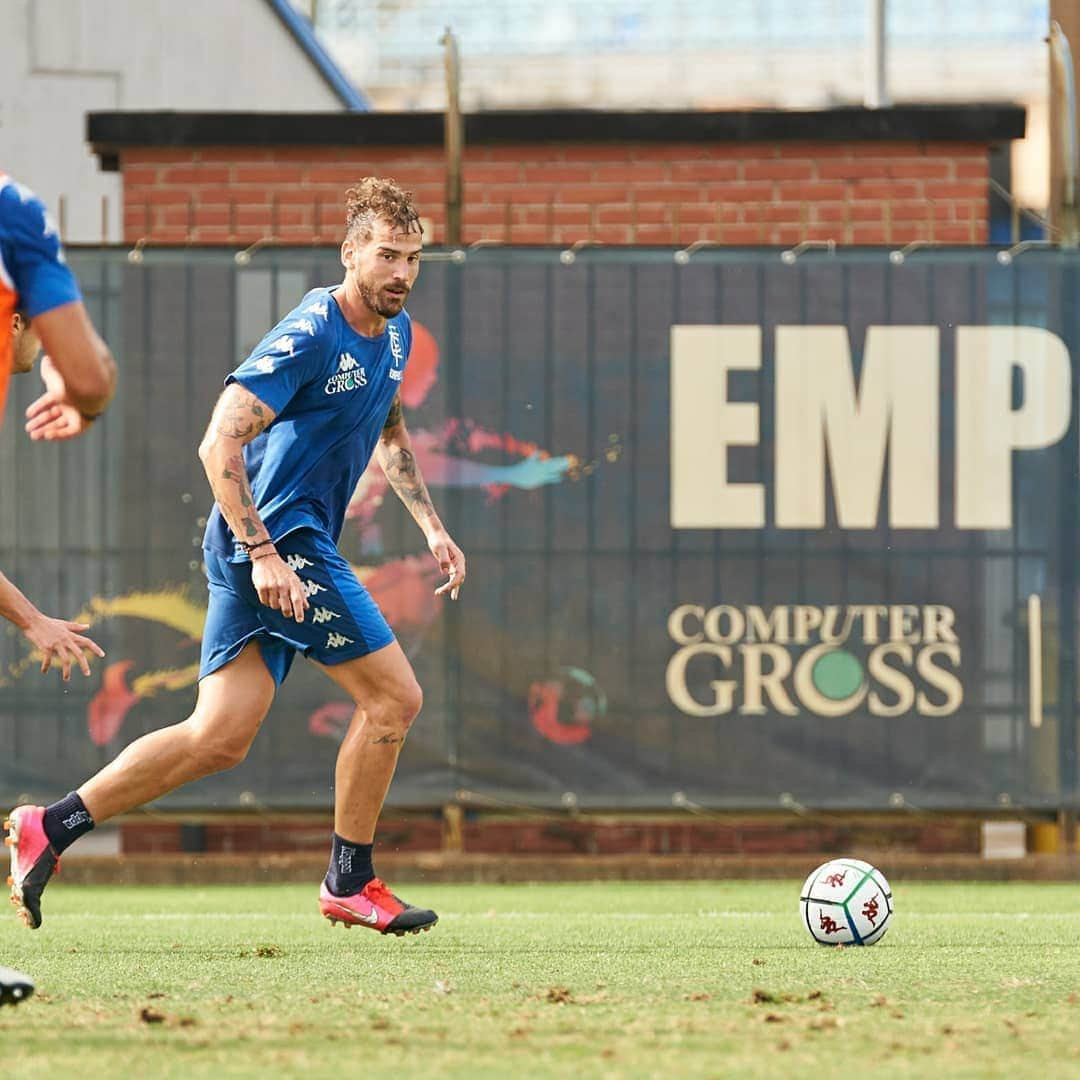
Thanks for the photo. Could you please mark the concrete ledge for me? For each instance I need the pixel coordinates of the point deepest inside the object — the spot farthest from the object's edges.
(449, 867)
(110, 132)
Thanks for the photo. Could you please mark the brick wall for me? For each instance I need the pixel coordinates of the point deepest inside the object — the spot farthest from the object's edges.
(875, 192)
(585, 835)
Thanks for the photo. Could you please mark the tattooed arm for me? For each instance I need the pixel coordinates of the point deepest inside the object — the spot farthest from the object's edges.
(395, 454)
(238, 417)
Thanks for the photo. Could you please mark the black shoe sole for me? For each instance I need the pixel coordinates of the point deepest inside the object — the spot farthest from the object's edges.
(400, 932)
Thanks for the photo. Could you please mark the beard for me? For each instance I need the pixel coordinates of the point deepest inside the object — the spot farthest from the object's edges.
(25, 352)
(380, 301)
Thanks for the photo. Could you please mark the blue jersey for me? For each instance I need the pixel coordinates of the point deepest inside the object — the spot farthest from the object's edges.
(33, 275)
(331, 390)
(32, 262)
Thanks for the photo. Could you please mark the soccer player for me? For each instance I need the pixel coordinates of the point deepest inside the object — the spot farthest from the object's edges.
(80, 378)
(288, 439)
(40, 301)
(58, 640)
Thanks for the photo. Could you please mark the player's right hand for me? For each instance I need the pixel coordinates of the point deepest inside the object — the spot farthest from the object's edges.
(52, 416)
(278, 586)
(63, 643)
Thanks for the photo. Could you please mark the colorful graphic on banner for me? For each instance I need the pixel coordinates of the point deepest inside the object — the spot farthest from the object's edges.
(564, 709)
(447, 457)
(403, 588)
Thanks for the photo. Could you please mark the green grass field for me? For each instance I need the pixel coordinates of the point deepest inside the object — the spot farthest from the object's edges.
(680, 980)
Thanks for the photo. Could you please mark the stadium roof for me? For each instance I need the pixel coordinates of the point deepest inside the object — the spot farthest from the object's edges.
(305, 37)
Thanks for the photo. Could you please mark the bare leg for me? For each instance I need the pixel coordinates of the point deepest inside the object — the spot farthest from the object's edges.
(387, 697)
(231, 705)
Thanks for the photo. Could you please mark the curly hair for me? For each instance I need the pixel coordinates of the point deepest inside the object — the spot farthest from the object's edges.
(377, 198)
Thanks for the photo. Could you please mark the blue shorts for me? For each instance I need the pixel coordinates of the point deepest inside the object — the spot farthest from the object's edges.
(341, 623)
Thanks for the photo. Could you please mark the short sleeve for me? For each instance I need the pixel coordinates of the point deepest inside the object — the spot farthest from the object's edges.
(33, 253)
(285, 361)
(406, 326)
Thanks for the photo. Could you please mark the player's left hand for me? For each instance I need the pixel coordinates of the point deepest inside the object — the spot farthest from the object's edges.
(451, 562)
(52, 416)
(62, 643)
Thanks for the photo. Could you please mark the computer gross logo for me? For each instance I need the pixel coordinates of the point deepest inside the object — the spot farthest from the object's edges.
(829, 661)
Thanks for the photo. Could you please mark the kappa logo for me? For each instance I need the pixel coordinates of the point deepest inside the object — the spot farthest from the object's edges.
(312, 587)
(322, 615)
(306, 325)
(317, 307)
(335, 640)
(828, 924)
(284, 344)
(350, 375)
(265, 364)
(871, 911)
(297, 562)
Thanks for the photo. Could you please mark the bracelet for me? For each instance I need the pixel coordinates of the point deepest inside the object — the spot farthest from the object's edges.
(263, 555)
(249, 548)
(90, 417)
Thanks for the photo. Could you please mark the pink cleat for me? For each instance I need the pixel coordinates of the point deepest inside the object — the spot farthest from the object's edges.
(375, 906)
(33, 861)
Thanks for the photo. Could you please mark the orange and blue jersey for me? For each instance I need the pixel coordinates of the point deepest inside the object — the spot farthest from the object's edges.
(34, 277)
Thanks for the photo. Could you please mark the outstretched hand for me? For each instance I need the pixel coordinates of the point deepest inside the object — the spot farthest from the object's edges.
(451, 562)
(52, 416)
(63, 643)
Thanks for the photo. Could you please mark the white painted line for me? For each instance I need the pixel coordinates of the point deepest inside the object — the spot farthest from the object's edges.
(1035, 687)
(248, 916)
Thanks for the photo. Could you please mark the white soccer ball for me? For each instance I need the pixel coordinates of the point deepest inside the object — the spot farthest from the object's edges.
(846, 902)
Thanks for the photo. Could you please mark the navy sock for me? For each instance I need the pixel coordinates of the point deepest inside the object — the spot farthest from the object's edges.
(65, 821)
(350, 867)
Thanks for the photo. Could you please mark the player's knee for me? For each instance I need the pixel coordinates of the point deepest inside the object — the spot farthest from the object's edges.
(414, 701)
(405, 705)
(216, 752)
(220, 755)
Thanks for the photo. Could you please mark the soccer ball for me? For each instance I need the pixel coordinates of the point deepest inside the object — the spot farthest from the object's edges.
(846, 902)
